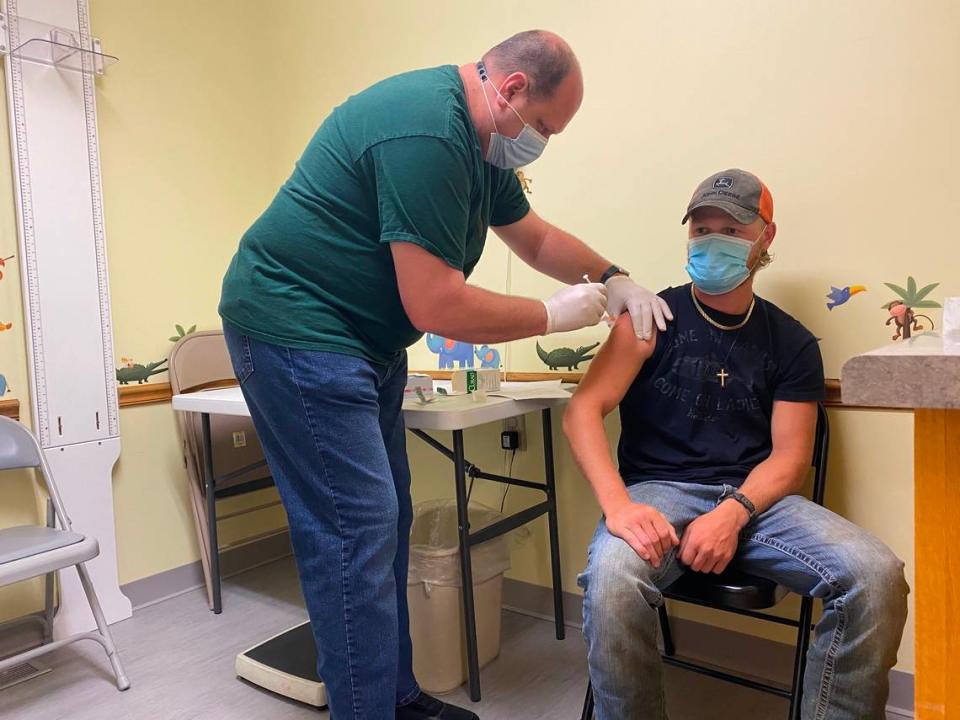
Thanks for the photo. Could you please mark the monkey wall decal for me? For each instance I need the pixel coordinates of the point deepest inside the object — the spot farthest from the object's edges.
(902, 311)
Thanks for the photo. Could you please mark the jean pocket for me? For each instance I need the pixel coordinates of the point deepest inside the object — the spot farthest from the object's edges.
(243, 360)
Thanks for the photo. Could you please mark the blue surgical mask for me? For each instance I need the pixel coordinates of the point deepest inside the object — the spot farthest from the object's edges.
(505, 152)
(717, 263)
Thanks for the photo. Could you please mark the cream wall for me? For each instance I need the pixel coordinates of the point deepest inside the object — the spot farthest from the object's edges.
(847, 110)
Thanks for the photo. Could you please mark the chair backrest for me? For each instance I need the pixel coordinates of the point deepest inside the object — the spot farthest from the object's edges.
(18, 447)
(821, 450)
(201, 360)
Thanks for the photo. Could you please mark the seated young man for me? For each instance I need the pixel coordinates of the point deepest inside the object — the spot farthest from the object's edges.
(718, 418)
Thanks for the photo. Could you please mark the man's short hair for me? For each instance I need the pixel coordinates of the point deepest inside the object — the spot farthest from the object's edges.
(545, 58)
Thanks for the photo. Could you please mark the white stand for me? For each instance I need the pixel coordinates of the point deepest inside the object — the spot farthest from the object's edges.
(84, 475)
(50, 67)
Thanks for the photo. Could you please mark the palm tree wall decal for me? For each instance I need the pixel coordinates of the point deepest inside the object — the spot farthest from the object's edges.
(902, 309)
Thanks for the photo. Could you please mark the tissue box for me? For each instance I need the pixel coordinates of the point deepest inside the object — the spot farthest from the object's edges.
(951, 317)
(486, 379)
(418, 380)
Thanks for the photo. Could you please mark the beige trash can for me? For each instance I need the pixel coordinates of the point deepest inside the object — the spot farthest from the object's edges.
(435, 594)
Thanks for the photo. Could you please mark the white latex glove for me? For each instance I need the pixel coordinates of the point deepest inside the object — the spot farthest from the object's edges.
(575, 307)
(644, 306)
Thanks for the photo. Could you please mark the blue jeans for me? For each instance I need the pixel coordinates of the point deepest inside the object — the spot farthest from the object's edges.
(332, 432)
(796, 543)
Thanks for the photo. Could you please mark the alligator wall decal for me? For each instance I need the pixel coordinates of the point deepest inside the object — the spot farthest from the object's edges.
(566, 357)
(139, 373)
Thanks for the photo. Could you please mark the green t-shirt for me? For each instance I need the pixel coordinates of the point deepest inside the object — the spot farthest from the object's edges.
(399, 162)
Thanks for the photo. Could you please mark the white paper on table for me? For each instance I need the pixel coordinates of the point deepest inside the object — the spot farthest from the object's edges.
(541, 390)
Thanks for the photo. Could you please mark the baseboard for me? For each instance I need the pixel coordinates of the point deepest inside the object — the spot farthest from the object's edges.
(233, 560)
(16, 636)
(736, 651)
(537, 601)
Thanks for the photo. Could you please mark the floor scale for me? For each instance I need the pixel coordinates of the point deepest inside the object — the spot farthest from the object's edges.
(287, 665)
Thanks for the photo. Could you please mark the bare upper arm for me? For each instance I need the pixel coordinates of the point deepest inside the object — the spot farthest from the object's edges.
(792, 431)
(424, 280)
(614, 369)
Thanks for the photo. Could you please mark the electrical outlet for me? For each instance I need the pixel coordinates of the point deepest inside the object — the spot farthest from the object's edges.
(519, 425)
(239, 439)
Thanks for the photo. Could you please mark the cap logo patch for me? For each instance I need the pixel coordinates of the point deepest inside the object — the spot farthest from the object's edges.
(723, 182)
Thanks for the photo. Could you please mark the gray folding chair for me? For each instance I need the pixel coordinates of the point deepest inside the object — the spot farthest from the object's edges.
(30, 551)
(200, 361)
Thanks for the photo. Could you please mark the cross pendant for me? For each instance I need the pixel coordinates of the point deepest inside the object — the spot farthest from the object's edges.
(723, 375)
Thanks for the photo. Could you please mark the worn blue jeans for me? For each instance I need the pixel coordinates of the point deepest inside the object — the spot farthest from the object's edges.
(796, 543)
(332, 432)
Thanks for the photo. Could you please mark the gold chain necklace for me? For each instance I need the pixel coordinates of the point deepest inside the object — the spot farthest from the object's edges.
(721, 326)
(723, 374)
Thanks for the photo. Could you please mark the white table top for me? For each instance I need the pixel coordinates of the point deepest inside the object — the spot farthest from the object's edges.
(453, 412)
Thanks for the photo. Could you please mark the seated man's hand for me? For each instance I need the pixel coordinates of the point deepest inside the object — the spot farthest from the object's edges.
(710, 541)
(644, 529)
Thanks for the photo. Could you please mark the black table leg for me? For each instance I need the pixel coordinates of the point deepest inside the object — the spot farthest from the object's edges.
(466, 570)
(552, 520)
(214, 548)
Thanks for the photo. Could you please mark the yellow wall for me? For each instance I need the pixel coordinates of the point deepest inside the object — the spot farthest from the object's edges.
(847, 110)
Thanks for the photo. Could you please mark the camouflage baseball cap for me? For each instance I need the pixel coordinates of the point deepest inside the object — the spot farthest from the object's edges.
(738, 193)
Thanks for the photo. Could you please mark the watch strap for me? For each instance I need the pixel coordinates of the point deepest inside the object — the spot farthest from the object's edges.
(743, 500)
(611, 271)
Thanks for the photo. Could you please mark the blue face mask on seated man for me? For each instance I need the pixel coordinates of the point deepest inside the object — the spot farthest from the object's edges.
(717, 263)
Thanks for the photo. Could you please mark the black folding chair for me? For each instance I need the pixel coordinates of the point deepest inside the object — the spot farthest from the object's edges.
(744, 594)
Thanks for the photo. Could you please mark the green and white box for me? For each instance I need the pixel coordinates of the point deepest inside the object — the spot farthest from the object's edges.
(468, 381)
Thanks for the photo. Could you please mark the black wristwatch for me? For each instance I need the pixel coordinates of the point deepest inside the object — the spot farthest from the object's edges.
(610, 272)
(734, 494)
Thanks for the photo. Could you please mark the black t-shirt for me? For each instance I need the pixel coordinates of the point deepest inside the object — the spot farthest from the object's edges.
(679, 423)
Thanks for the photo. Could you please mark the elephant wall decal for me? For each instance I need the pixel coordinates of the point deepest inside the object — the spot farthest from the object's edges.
(489, 357)
(451, 351)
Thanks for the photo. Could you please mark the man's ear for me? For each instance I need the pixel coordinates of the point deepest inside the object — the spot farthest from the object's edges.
(514, 83)
(770, 232)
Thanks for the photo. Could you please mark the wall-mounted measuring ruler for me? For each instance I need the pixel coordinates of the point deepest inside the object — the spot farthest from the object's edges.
(51, 62)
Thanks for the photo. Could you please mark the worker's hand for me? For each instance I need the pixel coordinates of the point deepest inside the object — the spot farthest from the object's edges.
(710, 541)
(644, 528)
(575, 307)
(644, 306)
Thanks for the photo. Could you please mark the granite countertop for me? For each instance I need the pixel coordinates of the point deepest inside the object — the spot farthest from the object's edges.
(922, 372)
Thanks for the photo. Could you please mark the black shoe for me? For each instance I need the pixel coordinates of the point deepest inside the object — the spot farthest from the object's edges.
(424, 707)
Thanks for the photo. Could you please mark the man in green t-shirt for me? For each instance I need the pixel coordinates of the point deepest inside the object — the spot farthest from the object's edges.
(368, 245)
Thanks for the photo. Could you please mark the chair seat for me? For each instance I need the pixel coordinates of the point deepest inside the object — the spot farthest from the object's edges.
(731, 589)
(27, 540)
(32, 550)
